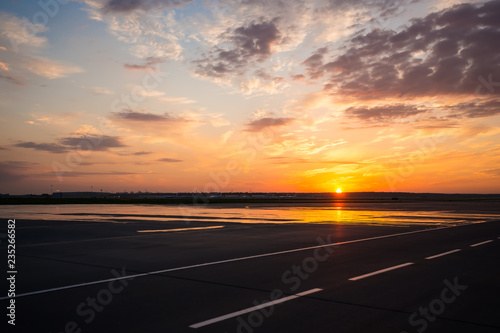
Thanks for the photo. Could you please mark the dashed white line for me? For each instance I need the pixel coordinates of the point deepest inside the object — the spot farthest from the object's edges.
(221, 261)
(254, 308)
(380, 271)
(485, 242)
(443, 254)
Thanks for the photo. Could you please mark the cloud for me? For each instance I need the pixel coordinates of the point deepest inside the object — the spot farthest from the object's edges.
(21, 43)
(127, 6)
(248, 45)
(263, 123)
(50, 147)
(12, 79)
(474, 109)
(169, 160)
(50, 69)
(16, 32)
(442, 54)
(92, 142)
(111, 173)
(141, 116)
(149, 33)
(84, 142)
(385, 113)
(149, 63)
(137, 153)
(9, 171)
(314, 64)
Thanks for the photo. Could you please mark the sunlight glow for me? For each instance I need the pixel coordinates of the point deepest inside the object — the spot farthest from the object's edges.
(339, 190)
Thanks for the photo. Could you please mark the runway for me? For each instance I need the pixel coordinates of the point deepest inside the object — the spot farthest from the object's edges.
(232, 277)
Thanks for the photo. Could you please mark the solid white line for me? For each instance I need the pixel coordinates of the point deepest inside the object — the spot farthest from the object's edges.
(254, 308)
(225, 261)
(182, 229)
(380, 271)
(485, 242)
(443, 254)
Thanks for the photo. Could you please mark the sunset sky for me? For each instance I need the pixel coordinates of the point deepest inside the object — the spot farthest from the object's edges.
(241, 95)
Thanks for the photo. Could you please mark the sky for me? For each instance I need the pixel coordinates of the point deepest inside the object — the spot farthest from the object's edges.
(250, 95)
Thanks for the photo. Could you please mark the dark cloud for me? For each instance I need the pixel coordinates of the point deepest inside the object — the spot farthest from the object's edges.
(474, 109)
(169, 160)
(111, 173)
(83, 143)
(263, 123)
(141, 153)
(149, 63)
(50, 147)
(3, 148)
(141, 116)
(131, 67)
(444, 53)
(137, 153)
(299, 77)
(126, 6)
(385, 113)
(314, 63)
(12, 79)
(92, 142)
(448, 114)
(10, 171)
(249, 44)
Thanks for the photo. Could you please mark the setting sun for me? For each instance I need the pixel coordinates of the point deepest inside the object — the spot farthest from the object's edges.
(339, 190)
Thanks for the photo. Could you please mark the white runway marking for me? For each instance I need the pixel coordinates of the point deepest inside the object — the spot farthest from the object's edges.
(380, 271)
(254, 308)
(485, 242)
(443, 254)
(224, 261)
(182, 229)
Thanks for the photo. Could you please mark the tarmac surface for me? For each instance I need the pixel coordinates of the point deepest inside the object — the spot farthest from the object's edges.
(212, 276)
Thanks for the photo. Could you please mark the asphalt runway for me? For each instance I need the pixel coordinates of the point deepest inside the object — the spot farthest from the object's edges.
(232, 277)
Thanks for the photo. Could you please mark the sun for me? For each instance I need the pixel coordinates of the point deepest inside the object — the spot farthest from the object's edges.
(339, 190)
